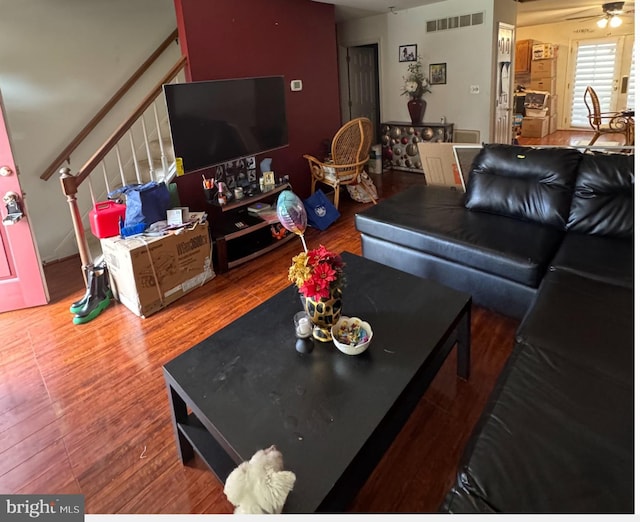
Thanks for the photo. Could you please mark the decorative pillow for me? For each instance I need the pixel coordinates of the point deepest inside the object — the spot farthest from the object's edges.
(329, 173)
(532, 184)
(603, 199)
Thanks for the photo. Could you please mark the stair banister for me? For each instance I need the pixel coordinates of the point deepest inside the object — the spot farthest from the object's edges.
(70, 189)
(97, 157)
(65, 155)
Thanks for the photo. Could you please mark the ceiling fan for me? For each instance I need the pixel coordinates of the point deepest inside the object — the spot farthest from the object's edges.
(611, 15)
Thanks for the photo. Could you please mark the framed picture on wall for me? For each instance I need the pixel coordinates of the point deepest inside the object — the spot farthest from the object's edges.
(408, 53)
(437, 73)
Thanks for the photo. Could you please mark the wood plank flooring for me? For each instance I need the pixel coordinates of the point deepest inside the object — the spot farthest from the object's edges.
(83, 408)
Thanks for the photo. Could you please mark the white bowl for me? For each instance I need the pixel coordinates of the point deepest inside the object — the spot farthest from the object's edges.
(351, 326)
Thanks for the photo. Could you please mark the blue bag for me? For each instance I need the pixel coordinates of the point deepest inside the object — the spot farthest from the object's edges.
(146, 203)
(320, 211)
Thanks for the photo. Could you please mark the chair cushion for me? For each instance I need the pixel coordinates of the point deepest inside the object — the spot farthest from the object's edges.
(434, 220)
(607, 259)
(524, 183)
(603, 199)
(555, 438)
(329, 174)
(585, 321)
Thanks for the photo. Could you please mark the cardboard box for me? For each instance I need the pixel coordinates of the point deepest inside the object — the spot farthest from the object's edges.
(536, 113)
(440, 165)
(535, 127)
(149, 273)
(177, 215)
(544, 84)
(544, 51)
(543, 69)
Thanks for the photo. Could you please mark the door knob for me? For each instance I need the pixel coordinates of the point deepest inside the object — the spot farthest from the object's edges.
(14, 212)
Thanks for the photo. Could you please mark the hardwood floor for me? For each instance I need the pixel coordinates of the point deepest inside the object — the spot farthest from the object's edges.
(83, 408)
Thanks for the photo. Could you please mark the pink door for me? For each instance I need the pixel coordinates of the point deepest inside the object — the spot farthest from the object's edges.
(21, 281)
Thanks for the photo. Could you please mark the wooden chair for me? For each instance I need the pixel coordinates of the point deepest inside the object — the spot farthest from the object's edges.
(608, 122)
(350, 150)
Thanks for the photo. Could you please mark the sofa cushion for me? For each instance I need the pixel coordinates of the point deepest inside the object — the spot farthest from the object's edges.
(555, 437)
(606, 259)
(433, 220)
(524, 183)
(603, 199)
(585, 321)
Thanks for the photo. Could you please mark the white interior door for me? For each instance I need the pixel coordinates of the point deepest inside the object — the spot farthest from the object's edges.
(502, 132)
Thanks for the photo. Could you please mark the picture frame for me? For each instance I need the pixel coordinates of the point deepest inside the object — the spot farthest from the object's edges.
(408, 53)
(269, 178)
(437, 73)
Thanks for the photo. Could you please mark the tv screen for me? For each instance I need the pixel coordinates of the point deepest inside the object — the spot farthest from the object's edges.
(216, 121)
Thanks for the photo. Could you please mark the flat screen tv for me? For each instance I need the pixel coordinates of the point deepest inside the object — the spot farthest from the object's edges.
(216, 121)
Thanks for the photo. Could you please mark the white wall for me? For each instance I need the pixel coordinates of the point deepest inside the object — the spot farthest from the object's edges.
(468, 53)
(60, 61)
(564, 34)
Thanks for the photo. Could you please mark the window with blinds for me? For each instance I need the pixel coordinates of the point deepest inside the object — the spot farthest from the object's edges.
(595, 66)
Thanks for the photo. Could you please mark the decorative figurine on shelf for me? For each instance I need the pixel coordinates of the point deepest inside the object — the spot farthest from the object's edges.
(265, 165)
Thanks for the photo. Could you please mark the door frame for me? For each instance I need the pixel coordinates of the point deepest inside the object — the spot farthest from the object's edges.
(624, 46)
(343, 73)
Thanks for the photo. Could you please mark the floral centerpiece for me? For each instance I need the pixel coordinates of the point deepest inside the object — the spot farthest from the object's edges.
(416, 84)
(317, 272)
(319, 276)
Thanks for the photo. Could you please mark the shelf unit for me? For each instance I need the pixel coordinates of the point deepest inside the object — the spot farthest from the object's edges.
(400, 139)
(239, 235)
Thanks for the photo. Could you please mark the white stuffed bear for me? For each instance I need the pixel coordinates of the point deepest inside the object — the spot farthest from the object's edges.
(260, 485)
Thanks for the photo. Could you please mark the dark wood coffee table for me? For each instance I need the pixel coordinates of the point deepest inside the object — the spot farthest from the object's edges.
(332, 415)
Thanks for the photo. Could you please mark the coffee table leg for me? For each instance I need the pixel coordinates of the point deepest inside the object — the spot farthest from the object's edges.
(179, 414)
(464, 343)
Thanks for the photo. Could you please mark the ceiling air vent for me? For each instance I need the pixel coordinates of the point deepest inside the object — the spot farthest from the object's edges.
(455, 22)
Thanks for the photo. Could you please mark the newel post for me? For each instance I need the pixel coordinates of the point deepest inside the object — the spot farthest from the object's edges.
(70, 189)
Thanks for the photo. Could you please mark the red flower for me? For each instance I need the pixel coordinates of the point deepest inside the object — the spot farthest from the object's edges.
(324, 269)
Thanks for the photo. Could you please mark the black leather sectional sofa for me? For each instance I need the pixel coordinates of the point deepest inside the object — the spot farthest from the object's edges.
(545, 234)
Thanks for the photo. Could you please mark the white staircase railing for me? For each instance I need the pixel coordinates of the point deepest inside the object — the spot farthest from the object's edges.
(139, 150)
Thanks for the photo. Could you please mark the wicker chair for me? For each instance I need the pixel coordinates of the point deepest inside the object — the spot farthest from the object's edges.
(608, 122)
(349, 154)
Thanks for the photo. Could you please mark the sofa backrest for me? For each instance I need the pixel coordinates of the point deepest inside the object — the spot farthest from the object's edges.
(533, 184)
(602, 203)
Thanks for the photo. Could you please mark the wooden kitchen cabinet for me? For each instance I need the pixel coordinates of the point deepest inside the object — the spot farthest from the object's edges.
(524, 50)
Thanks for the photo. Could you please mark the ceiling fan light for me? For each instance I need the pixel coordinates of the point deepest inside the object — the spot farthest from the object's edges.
(602, 23)
(615, 21)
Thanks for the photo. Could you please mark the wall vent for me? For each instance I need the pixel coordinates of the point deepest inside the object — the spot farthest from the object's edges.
(466, 136)
(455, 22)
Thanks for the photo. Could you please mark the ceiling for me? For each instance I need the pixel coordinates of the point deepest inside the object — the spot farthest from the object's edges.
(530, 12)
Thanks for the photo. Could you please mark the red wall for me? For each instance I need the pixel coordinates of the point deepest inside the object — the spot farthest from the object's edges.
(291, 38)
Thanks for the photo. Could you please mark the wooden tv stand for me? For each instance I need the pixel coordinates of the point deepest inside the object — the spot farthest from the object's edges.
(239, 235)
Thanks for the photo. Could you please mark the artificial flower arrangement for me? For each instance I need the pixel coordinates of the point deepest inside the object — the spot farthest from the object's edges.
(316, 272)
(416, 83)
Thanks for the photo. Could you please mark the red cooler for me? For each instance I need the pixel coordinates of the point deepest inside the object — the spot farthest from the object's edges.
(104, 218)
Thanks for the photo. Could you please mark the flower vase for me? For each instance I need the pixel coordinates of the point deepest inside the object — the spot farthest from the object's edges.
(416, 107)
(324, 313)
